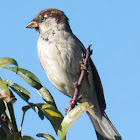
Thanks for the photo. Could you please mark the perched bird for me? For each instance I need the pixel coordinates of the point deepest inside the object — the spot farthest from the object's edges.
(59, 52)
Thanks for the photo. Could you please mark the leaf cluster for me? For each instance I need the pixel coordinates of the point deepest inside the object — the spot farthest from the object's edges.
(49, 110)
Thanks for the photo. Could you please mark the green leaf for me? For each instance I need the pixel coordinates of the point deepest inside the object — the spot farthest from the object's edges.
(36, 108)
(53, 115)
(25, 108)
(22, 92)
(47, 110)
(28, 76)
(5, 92)
(45, 94)
(70, 118)
(47, 136)
(11, 114)
(34, 82)
(7, 61)
(27, 138)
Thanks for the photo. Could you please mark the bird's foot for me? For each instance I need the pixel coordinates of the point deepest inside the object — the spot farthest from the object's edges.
(84, 67)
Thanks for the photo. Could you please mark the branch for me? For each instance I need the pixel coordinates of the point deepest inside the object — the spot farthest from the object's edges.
(84, 67)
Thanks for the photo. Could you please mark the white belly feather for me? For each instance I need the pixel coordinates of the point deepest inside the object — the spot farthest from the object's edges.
(61, 62)
(61, 67)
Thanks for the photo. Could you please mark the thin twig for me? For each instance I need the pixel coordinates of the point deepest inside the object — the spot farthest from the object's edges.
(22, 121)
(74, 100)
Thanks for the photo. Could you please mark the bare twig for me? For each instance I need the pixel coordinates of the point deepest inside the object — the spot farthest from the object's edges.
(84, 66)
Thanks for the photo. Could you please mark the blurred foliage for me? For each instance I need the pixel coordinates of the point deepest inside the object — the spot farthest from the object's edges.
(49, 110)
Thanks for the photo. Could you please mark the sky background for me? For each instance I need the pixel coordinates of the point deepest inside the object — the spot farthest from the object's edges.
(113, 29)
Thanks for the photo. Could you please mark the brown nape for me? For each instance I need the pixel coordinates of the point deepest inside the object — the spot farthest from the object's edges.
(59, 15)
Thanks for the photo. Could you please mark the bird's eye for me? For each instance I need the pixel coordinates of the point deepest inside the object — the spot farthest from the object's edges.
(41, 17)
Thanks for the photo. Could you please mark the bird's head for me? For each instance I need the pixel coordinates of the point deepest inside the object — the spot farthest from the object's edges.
(49, 19)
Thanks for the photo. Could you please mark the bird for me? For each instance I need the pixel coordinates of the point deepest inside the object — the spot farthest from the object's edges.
(59, 52)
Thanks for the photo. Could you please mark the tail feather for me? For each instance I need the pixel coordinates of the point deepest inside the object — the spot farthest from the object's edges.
(104, 128)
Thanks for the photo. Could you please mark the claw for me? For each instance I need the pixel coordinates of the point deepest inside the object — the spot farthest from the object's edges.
(75, 84)
(83, 67)
(79, 98)
(83, 55)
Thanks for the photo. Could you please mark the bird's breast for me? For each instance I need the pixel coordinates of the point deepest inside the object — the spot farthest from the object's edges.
(60, 58)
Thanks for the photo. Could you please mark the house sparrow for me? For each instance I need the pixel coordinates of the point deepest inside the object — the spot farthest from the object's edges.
(59, 52)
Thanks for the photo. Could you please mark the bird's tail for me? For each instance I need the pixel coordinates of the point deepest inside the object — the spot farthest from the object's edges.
(104, 128)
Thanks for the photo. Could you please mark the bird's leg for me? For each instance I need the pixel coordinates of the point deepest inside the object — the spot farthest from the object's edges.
(84, 70)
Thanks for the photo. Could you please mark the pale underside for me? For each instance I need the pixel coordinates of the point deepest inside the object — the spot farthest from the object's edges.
(63, 68)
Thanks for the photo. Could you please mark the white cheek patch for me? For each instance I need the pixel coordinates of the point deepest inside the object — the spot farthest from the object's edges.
(45, 16)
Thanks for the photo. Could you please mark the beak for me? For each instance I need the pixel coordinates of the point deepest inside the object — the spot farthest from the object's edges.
(32, 24)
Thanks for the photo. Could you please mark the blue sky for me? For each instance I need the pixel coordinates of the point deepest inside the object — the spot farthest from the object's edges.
(113, 29)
